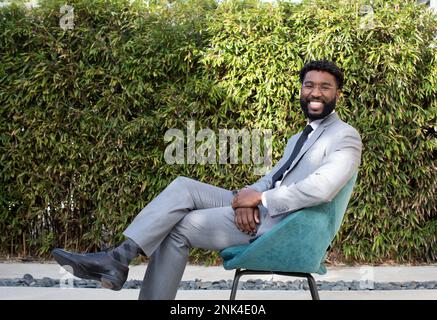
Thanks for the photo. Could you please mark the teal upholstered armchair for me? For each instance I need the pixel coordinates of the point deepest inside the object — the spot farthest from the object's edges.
(296, 246)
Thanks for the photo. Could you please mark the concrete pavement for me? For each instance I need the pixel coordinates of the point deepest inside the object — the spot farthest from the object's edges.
(216, 273)
(22, 293)
(213, 273)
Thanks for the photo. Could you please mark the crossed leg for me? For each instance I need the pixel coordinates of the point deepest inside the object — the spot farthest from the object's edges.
(187, 214)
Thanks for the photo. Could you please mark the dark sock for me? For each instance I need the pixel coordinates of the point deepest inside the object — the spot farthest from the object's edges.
(125, 252)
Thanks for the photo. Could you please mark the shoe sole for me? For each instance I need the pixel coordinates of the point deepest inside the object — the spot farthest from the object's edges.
(106, 281)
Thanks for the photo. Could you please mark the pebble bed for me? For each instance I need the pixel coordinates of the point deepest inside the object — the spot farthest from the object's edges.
(258, 284)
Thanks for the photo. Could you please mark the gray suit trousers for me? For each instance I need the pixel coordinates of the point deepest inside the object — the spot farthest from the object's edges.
(186, 214)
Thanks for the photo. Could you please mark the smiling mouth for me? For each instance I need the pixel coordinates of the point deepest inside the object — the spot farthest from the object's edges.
(315, 106)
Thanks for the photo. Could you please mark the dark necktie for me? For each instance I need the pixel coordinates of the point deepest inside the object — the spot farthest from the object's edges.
(297, 147)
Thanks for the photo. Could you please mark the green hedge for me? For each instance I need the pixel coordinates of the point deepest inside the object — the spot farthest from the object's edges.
(84, 112)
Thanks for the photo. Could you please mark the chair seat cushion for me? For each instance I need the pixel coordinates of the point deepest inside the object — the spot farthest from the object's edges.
(231, 252)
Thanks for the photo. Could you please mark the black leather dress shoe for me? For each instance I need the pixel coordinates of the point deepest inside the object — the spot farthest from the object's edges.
(98, 266)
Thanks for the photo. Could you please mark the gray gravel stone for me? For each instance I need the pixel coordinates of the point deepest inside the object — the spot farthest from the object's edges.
(251, 284)
(205, 285)
(91, 285)
(47, 282)
(325, 286)
(28, 279)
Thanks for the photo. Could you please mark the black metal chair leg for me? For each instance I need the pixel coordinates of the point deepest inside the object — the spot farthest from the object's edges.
(311, 282)
(313, 287)
(237, 276)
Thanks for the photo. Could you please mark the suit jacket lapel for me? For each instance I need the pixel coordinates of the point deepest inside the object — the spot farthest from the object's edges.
(307, 145)
(328, 120)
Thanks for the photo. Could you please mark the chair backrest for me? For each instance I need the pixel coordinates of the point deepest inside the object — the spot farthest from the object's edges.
(340, 203)
(298, 243)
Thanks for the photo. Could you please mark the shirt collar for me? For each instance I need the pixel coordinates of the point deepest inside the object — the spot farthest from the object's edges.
(316, 123)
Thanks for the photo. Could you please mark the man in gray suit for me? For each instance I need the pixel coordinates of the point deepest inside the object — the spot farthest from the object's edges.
(316, 164)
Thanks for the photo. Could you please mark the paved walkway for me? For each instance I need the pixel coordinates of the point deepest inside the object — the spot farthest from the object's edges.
(192, 272)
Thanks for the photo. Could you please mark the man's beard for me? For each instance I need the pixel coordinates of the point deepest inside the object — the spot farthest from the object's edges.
(327, 108)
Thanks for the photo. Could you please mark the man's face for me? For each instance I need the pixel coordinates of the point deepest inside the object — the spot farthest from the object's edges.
(318, 94)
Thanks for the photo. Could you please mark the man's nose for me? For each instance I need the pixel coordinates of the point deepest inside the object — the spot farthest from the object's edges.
(316, 93)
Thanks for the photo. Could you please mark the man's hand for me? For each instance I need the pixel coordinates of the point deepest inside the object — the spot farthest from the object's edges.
(246, 198)
(246, 219)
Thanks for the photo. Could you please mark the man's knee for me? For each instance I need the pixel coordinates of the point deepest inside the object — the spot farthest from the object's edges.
(181, 235)
(187, 228)
(181, 181)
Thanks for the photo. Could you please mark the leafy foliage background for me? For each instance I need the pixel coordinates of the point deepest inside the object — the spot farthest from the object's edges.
(83, 112)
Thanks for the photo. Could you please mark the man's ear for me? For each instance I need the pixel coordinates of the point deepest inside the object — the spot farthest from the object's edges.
(338, 94)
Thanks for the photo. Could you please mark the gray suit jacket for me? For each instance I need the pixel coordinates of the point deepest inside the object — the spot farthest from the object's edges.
(323, 166)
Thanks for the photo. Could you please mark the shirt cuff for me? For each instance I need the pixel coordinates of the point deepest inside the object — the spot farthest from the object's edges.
(263, 199)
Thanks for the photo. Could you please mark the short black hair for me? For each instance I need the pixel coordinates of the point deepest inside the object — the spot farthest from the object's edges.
(323, 65)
